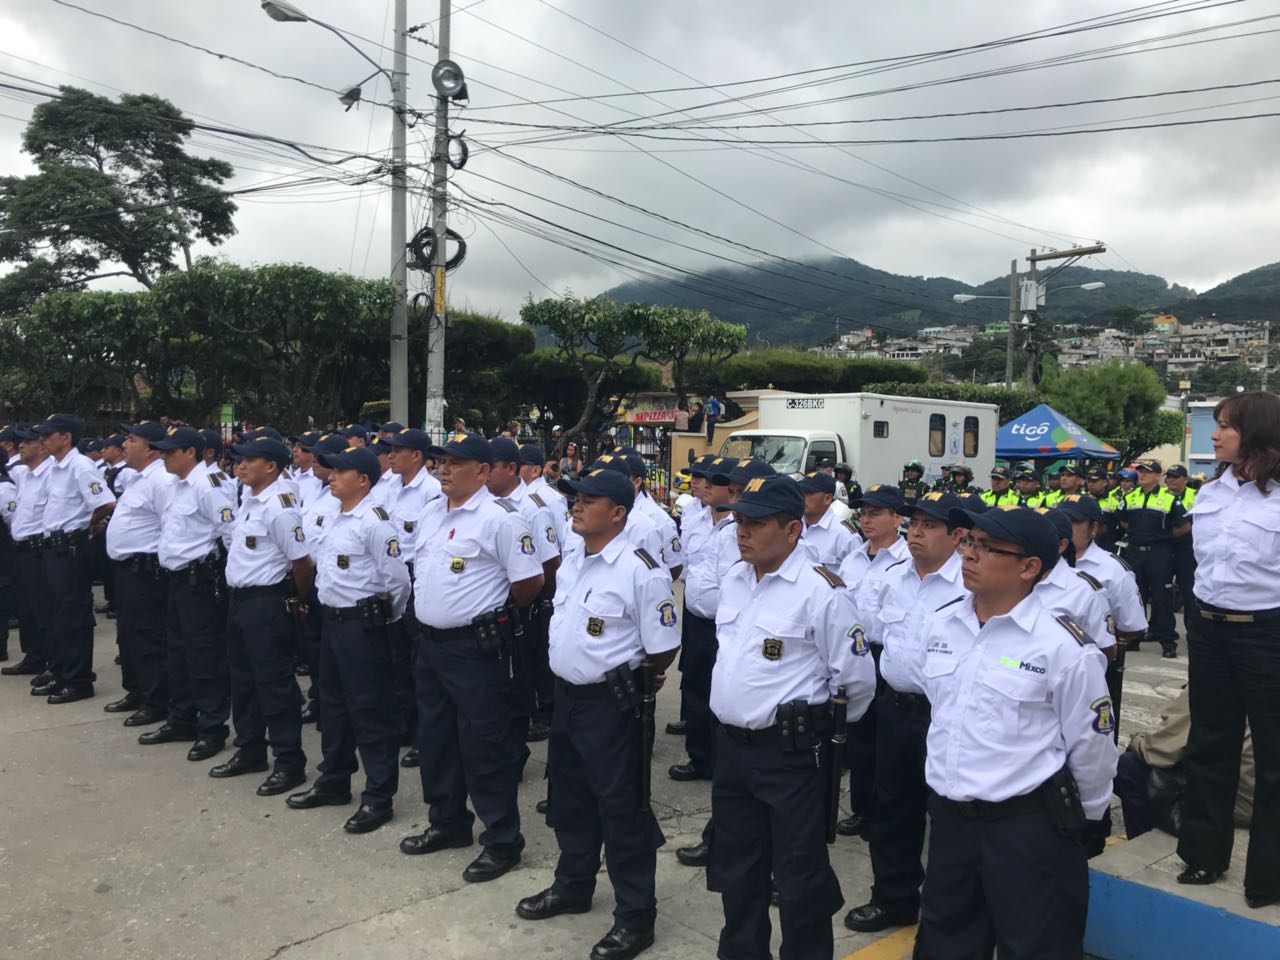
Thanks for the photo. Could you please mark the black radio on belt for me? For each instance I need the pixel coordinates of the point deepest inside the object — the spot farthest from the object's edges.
(497, 631)
(624, 689)
(375, 611)
(795, 727)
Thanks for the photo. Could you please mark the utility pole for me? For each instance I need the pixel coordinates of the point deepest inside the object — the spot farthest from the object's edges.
(1031, 328)
(1266, 351)
(399, 204)
(1013, 322)
(1071, 256)
(439, 193)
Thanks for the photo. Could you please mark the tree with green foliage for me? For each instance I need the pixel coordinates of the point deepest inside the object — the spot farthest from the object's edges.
(1219, 379)
(1118, 402)
(115, 193)
(689, 339)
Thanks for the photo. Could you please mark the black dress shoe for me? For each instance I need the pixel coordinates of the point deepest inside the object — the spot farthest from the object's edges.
(677, 728)
(144, 717)
(70, 694)
(22, 668)
(431, 840)
(238, 764)
(45, 689)
(411, 758)
(548, 903)
(309, 713)
(699, 855)
(538, 731)
(41, 678)
(206, 747)
(542, 806)
(126, 704)
(315, 797)
(872, 918)
(686, 771)
(368, 817)
(489, 866)
(281, 781)
(166, 733)
(1169, 653)
(852, 826)
(1257, 903)
(622, 944)
(1198, 877)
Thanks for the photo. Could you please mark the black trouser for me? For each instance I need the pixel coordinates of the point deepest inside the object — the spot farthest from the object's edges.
(34, 609)
(543, 678)
(860, 752)
(196, 663)
(141, 600)
(769, 808)
(310, 628)
(70, 601)
(464, 739)
(265, 699)
(1234, 677)
(1153, 569)
(1014, 883)
(697, 659)
(404, 642)
(897, 826)
(593, 761)
(357, 702)
(1184, 571)
(1135, 799)
(103, 568)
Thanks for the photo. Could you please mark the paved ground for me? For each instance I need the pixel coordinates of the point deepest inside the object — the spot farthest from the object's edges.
(113, 850)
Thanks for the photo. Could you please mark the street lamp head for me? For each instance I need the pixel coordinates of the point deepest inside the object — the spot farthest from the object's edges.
(1092, 285)
(284, 11)
(350, 97)
(447, 78)
(963, 297)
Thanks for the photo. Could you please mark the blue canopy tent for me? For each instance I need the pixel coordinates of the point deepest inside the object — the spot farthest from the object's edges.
(1043, 433)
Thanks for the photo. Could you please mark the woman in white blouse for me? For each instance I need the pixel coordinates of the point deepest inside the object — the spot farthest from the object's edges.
(1234, 647)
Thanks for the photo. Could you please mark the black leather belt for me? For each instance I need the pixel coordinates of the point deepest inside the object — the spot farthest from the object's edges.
(443, 635)
(66, 540)
(206, 564)
(908, 701)
(341, 614)
(271, 590)
(820, 721)
(582, 691)
(1218, 615)
(995, 809)
(29, 545)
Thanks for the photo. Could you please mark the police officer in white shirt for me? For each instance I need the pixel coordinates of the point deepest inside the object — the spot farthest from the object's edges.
(787, 643)
(77, 500)
(910, 591)
(828, 539)
(481, 561)
(696, 526)
(647, 510)
(10, 443)
(304, 461)
(532, 461)
(1020, 755)
(196, 524)
(363, 588)
(268, 549)
(27, 529)
(1066, 590)
(613, 611)
(133, 545)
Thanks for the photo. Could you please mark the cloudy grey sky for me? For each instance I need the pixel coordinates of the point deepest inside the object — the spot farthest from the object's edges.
(1196, 204)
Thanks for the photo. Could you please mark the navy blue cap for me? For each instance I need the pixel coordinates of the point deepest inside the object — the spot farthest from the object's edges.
(9, 434)
(410, 438)
(306, 440)
(354, 458)
(1025, 472)
(330, 443)
(353, 430)
(818, 483)
(115, 440)
(881, 495)
(972, 502)
(623, 460)
(1097, 473)
(1031, 531)
(505, 449)
(1147, 463)
(467, 446)
(1001, 473)
(23, 433)
(148, 430)
(1075, 469)
(60, 423)
(212, 439)
(1079, 507)
(179, 438)
(703, 466)
(739, 471)
(601, 482)
(1061, 522)
(270, 432)
(1177, 470)
(531, 455)
(266, 448)
(391, 426)
(767, 496)
(937, 505)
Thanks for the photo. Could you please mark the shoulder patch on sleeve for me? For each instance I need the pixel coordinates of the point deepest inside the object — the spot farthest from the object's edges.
(1090, 579)
(287, 500)
(1078, 633)
(504, 505)
(950, 603)
(214, 481)
(897, 563)
(852, 527)
(537, 499)
(381, 514)
(648, 561)
(832, 578)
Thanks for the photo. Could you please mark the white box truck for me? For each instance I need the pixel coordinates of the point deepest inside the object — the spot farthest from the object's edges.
(874, 433)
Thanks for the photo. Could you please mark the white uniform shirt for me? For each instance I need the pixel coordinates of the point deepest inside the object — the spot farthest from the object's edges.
(863, 572)
(611, 608)
(28, 518)
(266, 538)
(668, 534)
(124, 475)
(317, 515)
(696, 523)
(17, 470)
(1236, 544)
(639, 531)
(1014, 701)
(787, 636)
(360, 556)
(1119, 586)
(829, 541)
(135, 523)
(906, 602)
(309, 485)
(539, 521)
(545, 495)
(198, 515)
(470, 556)
(1064, 591)
(383, 492)
(8, 502)
(75, 491)
(407, 503)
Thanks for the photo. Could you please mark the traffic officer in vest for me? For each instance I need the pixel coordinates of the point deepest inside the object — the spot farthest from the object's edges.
(363, 588)
(962, 481)
(1097, 483)
(133, 546)
(481, 561)
(910, 591)
(912, 485)
(268, 555)
(1027, 484)
(788, 642)
(943, 483)
(1001, 491)
(196, 523)
(1184, 557)
(1021, 721)
(613, 635)
(826, 537)
(77, 500)
(27, 530)
(1150, 515)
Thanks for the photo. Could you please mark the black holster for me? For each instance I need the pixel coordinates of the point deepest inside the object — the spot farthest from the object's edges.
(1062, 803)
(498, 631)
(375, 611)
(625, 689)
(796, 727)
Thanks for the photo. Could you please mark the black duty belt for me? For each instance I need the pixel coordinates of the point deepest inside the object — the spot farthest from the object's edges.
(908, 701)
(245, 593)
(443, 635)
(341, 614)
(209, 564)
(583, 691)
(995, 809)
(29, 545)
(820, 721)
(1218, 615)
(66, 540)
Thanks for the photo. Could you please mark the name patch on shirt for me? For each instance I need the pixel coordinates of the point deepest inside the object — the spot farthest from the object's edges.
(458, 564)
(771, 649)
(526, 544)
(940, 647)
(858, 645)
(251, 543)
(667, 613)
(343, 561)
(1104, 716)
(595, 626)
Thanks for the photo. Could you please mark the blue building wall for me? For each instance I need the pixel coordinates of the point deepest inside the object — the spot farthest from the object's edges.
(1199, 447)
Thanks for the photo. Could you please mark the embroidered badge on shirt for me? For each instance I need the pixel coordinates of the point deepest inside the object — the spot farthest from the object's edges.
(343, 561)
(551, 534)
(667, 613)
(526, 544)
(1104, 715)
(771, 649)
(251, 543)
(298, 534)
(858, 645)
(458, 564)
(675, 544)
(393, 547)
(595, 626)
(95, 487)
(226, 515)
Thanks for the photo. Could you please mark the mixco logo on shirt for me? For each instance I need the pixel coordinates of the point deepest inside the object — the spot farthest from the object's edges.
(1020, 665)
